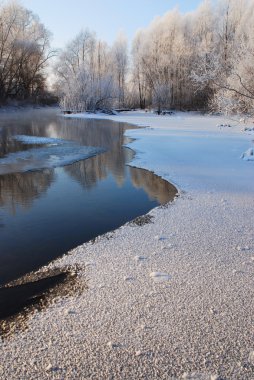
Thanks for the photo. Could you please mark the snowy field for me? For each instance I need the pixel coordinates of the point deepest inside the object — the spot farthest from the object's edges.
(172, 299)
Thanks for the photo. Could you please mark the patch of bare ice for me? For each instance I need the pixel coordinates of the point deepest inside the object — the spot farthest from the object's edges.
(48, 153)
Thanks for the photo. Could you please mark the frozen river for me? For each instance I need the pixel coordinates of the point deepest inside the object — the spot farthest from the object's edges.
(64, 182)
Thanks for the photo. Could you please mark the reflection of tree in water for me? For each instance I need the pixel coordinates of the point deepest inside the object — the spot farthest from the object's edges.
(89, 132)
(89, 172)
(155, 186)
(92, 170)
(26, 123)
(23, 188)
(102, 133)
(20, 189)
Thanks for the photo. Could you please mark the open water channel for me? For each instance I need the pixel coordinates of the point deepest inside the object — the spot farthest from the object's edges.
(64, 182)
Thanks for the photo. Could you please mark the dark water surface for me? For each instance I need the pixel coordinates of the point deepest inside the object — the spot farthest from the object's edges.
(48, 207)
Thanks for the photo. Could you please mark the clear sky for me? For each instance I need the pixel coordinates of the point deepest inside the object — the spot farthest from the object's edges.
(65, 18)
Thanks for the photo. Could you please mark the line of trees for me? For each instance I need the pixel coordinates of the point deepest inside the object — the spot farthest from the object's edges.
(203, 59)
(24, 52)
(199, 60)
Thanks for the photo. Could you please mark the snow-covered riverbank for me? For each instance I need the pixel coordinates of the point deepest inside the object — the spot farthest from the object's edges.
(171, 299)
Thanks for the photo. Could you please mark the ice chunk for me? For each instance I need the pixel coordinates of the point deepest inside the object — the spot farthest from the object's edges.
(248, 155)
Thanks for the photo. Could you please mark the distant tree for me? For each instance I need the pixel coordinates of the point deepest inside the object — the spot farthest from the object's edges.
(138, 75)
(120, 65)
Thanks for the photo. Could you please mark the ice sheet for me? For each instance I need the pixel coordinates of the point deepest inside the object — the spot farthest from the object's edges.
(53, 153)
(34, 140)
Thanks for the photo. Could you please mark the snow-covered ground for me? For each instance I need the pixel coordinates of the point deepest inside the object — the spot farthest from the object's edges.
(172, 299)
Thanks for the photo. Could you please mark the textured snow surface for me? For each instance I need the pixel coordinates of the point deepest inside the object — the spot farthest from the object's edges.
(248, 155)
(53, 153)
(198, 324)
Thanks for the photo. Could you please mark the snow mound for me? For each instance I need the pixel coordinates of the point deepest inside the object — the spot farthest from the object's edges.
(248, 155)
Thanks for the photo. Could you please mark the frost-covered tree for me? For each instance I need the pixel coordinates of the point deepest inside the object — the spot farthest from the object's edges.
(92, 75)
(161, 55)
(138, 74)
(120, 65)
(226, 69)
(24, 52)
(200, 59)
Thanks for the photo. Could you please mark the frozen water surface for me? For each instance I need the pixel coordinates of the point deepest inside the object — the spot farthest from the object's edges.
(38, 140)
(53, 153)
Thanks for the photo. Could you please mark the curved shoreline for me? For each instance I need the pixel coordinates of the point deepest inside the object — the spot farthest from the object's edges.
(170, 299)
(118, 192)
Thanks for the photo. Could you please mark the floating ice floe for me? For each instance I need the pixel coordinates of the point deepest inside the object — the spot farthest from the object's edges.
(160, 276)
(39, 140)
(248, 155)
(53, 153)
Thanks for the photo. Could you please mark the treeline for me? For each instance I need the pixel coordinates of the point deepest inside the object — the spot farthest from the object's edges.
(203, 59)
(24, 52)
(200, 60)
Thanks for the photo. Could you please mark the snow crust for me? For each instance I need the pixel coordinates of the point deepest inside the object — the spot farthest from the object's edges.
(52, 154)
(196, 325)
(248, 155)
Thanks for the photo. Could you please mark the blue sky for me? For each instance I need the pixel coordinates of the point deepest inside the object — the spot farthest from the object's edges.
(65, 18)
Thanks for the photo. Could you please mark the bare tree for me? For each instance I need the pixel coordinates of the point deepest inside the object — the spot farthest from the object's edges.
(84, 69)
